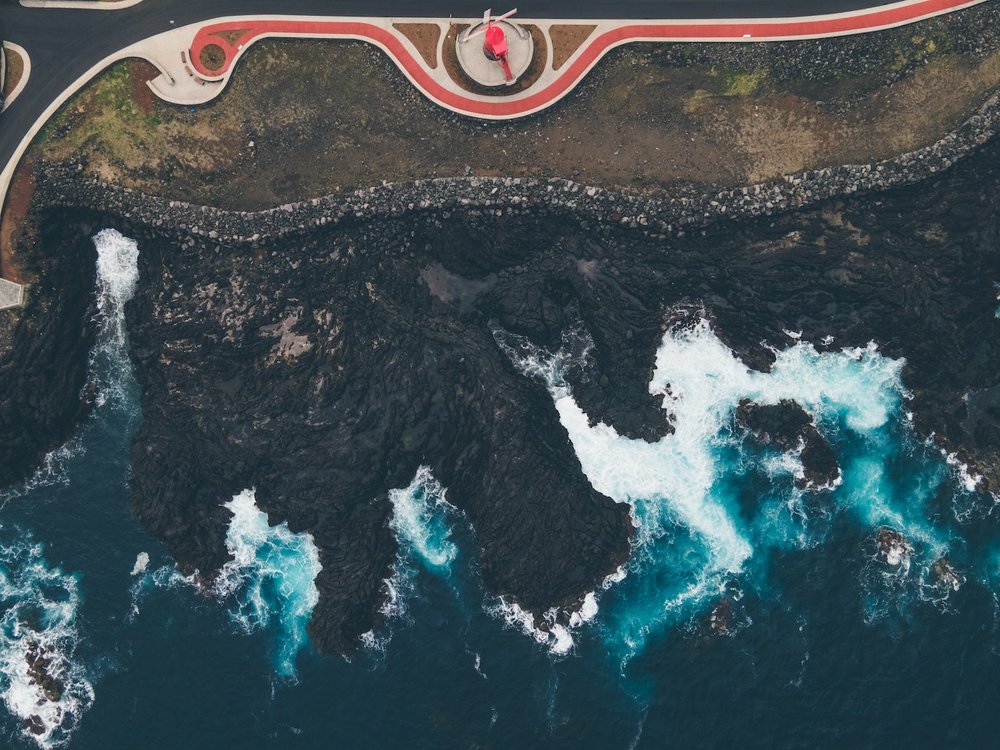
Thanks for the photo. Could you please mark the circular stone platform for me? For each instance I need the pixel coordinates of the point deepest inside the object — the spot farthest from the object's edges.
(486, 72)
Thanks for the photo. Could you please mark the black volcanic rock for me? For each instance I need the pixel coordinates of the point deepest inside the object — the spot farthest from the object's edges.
(325, 367)
(43, 368)
(323, 374)
(789, 427)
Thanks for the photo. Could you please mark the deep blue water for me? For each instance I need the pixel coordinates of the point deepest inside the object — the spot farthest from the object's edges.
(829, 644)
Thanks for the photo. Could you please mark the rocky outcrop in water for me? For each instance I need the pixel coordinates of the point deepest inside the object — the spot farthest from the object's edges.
(324, 368)
(324, 374)
(41, 673)
(893, 547)
(788, 426)
(322, 351)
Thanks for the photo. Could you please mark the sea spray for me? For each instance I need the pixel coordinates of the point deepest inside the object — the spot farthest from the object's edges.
(110, 368)
(692, 539)
(43, 686)
(271, 578)
(419, 520)
(117, 276)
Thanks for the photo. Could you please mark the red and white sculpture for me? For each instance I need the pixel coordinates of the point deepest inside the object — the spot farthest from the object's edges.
(494, 40)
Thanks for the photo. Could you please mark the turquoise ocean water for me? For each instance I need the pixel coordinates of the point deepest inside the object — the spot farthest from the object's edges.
(829, 642)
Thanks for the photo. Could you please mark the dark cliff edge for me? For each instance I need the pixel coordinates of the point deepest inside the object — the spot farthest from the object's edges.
(322, 351)
(43, 368)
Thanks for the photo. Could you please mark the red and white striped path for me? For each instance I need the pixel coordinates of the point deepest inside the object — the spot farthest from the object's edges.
(552, 85)
(183, 80)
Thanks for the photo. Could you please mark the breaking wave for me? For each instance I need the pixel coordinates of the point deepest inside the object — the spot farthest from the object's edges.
(117, 276)
(421, 520)
(555, 633)
(271, 578)
(696, 537)
(110, 367)
(43, 687)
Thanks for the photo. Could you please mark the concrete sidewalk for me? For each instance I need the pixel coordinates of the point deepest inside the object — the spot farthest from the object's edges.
(185, 80)
(550, 86)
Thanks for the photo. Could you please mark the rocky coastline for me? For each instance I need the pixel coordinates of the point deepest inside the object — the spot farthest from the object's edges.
(43, 369)
(322, 351)
(661, 214)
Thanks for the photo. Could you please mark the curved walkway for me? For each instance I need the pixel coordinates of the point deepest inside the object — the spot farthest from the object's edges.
(169, 34)
(552, 85)
(81, 4)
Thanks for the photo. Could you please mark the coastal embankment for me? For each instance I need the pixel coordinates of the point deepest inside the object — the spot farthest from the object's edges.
(668, 213)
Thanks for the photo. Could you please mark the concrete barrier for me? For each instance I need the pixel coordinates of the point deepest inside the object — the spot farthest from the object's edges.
(11, 294)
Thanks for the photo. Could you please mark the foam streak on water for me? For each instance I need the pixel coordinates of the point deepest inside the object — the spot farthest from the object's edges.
(110, 366)
(271, 578)
(691, 537)
(42, 685)
(117, 276)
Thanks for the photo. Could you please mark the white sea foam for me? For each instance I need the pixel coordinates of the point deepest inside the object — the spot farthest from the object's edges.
(556, 632)
(691, 538)
(587, 612)
(117, 276)
(419, 520)
(968, 479)
(39, 602)
(477, 664)
(53, 472)
(271, 578)
(38, 625)
(141, 563)
(519, 619)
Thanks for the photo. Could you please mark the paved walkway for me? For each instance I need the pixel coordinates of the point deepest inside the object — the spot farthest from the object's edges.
(176, 52)
(552, 85)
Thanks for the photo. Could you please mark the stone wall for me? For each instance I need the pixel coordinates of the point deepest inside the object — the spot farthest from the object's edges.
(664, 213)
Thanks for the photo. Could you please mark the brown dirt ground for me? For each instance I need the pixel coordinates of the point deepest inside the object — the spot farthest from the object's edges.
(15, 69)
(306, 118)
(212, 56)
(425, 37)
(14, 230)
(566, 39)
(139, 72)
(232, 36)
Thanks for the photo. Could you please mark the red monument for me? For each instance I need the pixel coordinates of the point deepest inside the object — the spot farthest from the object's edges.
(495, 40)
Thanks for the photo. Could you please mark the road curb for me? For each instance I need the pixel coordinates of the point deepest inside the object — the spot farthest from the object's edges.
(552, 86)
(80, 4)
(25, 73)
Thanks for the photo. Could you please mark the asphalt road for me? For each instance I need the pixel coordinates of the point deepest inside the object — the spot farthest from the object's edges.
(64, 44)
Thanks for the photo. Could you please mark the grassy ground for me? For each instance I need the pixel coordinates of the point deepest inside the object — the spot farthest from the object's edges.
(306, 118)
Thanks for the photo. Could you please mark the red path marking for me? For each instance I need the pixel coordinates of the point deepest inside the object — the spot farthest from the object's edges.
(862, 20)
